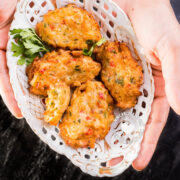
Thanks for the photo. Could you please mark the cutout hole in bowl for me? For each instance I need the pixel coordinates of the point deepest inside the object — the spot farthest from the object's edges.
(103, 15)
(111, 24)
(103, 164)
(44, 4)
(114, 14)
(108, 34)
(143, 105)
(32, 19)
(116, 141)
(87, 156)
(106, 6)
(95, 8)
(31, 4)
(44, 130)
(145, 92)
(53, 137)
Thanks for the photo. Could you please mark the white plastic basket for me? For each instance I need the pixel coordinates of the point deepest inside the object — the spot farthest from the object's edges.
(127, 130)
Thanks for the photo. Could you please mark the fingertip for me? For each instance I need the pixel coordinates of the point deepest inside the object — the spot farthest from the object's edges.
(11, 104)
(139, 164)
(136, 167)
(144, 157)
(17, 114)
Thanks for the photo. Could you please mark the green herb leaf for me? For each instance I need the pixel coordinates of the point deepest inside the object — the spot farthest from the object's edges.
(17, 49)
(15, 31)
(77, 68)
(28, 45)
(105, 114)
(31, 59)
(101, 42)
(132, 80)
(85, 52)
(113, 51)
(120, 81)
(21, 61)
(89, 42)
(89, 52)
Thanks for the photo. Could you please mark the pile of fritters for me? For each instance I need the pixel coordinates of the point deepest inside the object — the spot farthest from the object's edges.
(89, 113)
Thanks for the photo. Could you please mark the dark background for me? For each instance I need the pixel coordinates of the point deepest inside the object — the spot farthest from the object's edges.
(24, 156)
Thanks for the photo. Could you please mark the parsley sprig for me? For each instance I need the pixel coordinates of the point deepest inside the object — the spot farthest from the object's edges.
(27, 45)
(89, 52)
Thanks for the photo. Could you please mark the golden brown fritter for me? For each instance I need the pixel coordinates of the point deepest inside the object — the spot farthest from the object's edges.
(37, 81)
(121, 73)
(89, 116)
(56, 102)
(70, 67)
(68, 26)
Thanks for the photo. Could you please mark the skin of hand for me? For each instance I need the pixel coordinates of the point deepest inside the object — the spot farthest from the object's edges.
(6, 91)
(5, 87)
(158, 32)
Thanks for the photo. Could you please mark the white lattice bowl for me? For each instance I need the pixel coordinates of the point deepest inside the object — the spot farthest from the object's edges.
(127, 130)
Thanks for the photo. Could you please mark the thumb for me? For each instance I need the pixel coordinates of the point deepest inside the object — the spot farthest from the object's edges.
(158, 32)
(168, 51)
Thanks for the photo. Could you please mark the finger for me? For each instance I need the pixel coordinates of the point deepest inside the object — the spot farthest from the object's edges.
(154, 127)
(169, 54)
(6, 89)
(150, 22)
(4, 37)
(170, 57)
(7, 8)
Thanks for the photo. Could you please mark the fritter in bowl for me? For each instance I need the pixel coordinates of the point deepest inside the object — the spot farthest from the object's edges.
(121, 73)
(70, 67)
(69, 27)
(89, 116)
(56, 102)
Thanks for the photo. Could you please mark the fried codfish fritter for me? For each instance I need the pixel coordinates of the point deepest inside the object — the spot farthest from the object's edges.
(54, 73)
(56, 102)
(89, 116)
(121, 73)
(70, 27)
(70, 67)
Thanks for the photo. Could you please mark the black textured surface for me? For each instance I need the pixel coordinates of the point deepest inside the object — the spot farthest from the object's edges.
(24, 156)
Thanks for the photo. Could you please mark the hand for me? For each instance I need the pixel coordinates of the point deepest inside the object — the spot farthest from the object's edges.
(158, 32)
(5, 86)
